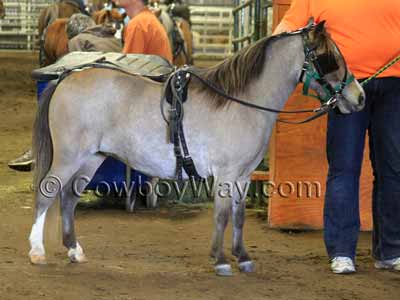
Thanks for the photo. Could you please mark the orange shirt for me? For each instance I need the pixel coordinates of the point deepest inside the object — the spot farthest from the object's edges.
(145, 34)
(366, 31)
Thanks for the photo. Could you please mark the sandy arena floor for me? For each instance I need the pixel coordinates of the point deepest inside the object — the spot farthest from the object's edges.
(160, 254)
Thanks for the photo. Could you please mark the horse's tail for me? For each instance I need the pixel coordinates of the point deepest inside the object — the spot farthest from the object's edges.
(42, 143)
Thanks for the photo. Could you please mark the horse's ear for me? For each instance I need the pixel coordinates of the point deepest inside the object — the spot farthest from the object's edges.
(310, 22)
(320, 27)
(156, 12)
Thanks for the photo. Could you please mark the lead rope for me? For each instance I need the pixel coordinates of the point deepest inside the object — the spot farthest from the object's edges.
(381, 70)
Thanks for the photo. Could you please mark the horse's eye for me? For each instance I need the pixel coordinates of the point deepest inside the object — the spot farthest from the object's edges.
(327, 63)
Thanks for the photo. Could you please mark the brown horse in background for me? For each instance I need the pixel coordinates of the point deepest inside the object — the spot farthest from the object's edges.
(179, 33)
(184, 57)
(50, 14)
(55, 11)
(55, 44)
(108, 16)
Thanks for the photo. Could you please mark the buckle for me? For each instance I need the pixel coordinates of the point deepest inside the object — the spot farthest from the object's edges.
(328, 105)
(331, 102)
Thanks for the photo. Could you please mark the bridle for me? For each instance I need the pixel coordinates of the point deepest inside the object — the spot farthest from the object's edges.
(317, 67)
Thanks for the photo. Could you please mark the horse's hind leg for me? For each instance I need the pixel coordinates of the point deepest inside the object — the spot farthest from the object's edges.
(238, 217)
(37, 252)
(222, 208)
(69, 199)
(47, 192)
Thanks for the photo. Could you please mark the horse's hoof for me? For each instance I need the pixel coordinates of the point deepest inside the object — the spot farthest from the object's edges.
(37, 259)
(78, 258)
(76, 255)
(247, 267)
(223, 270)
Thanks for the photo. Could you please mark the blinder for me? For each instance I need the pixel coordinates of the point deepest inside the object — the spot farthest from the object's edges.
(326, 63)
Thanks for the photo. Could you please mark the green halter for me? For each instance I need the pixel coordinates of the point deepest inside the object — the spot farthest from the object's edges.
(312, 70)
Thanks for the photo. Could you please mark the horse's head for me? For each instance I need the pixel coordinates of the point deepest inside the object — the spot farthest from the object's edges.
(326, 72)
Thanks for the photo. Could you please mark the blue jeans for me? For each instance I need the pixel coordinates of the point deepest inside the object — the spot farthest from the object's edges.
(345, 148)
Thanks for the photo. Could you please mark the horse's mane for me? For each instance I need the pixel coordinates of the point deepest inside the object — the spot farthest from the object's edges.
(235, 73)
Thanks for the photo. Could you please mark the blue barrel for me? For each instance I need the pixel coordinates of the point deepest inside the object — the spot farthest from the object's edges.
(112, 173)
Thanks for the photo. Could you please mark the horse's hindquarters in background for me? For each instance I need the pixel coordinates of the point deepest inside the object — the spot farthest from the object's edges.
(55, 42)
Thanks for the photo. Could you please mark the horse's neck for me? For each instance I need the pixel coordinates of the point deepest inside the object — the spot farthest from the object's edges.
(283, 64)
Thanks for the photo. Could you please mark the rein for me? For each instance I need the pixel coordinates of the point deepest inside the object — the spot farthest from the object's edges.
(311, 70)
(318, 112)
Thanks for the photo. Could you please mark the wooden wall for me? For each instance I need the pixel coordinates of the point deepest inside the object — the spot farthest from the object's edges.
(297, 154)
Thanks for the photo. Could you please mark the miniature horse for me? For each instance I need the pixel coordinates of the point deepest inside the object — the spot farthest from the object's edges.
(98, 112)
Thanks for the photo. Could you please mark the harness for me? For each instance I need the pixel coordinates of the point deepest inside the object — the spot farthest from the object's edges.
(315, 67)
(175, 94)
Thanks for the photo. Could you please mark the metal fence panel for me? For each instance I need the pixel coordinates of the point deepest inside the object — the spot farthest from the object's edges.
(212, 26)
(18, 30)
(252, 21)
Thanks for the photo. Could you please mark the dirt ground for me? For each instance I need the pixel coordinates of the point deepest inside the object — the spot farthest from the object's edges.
(161, 254)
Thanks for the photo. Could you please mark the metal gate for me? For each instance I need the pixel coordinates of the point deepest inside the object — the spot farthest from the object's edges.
(252, 20)
(18, 30)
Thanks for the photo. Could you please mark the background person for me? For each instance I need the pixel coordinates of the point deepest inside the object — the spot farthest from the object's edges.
(144, 33)
(84, 35)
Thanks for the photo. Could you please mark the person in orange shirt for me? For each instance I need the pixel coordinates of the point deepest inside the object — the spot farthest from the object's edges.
(367, 33)
(144, 33)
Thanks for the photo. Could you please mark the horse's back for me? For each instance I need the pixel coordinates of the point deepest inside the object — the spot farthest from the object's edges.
(97, 88)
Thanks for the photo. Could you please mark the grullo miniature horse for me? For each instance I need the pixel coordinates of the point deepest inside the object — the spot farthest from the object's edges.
(96, 112)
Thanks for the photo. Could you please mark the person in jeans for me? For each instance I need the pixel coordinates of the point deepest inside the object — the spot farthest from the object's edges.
(367, 33)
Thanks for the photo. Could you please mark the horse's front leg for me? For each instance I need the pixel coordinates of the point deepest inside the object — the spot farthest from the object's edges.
(238, 218)
(222, 208)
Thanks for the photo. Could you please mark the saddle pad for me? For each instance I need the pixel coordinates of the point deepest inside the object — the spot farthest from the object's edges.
(150, 66)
